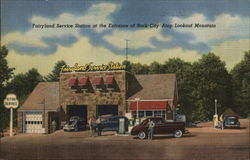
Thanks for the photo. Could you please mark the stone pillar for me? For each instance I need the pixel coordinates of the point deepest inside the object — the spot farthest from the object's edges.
(19, 122)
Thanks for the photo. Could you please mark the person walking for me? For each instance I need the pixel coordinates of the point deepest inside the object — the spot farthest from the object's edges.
(222, 121)
(151, 126)
(99, 126)
(91, 130)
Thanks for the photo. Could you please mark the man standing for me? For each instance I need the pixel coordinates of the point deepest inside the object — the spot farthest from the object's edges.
(99, 126)
(151, 126)
(91, 132)
(222, 121)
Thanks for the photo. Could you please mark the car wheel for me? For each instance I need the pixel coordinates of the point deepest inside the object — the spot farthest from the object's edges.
(142, 135)
(177, 133)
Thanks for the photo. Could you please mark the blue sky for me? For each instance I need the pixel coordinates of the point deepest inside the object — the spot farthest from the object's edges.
(229, 39)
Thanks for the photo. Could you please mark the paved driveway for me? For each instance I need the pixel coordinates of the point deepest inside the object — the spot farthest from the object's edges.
(203, 142)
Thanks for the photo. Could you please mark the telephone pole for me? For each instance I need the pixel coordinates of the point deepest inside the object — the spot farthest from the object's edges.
(126, 49)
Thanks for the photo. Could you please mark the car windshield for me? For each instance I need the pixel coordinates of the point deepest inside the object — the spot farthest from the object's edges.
(72, 122)
(232, 118)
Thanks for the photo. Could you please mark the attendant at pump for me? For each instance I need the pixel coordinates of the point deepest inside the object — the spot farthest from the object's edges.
(99, 126)
(222, 121)
(151, 126)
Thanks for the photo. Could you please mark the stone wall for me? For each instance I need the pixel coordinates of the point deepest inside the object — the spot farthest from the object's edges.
(93, 97)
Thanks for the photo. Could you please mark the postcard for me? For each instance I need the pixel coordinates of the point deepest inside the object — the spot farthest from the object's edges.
(124, 79)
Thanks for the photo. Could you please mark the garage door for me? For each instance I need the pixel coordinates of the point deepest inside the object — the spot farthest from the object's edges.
(33, 122)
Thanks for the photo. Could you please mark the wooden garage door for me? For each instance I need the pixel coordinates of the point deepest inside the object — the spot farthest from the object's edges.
(33, 122)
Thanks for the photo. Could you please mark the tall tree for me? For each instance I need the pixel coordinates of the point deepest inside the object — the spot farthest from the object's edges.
(138, 68)
(22, 85)
(5, 74)
(155, 68)
(183, 73)
(211, 81)
(241, 86)
(54, 75)
(127, 64)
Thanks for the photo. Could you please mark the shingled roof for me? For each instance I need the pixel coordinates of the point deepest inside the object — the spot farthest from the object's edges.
(44, 96)
(156, 86)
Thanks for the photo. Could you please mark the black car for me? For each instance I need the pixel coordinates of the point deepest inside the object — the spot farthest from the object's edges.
(161, 128)
(112, 123)
(75, 124)
(231, 121)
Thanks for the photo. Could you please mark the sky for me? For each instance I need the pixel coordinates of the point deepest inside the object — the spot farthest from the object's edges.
(31, 46)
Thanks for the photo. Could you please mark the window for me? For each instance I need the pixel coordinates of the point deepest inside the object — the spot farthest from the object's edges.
(157, 113)
(99, 87)
(141, 113)
(110, 86)
(149, 113)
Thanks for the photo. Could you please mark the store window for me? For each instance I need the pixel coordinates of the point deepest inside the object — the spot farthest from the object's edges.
(110, 82)
(149, 113)
(98, 82)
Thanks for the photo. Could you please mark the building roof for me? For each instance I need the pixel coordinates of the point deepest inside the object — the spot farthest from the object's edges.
(45, 96)
(156, 86)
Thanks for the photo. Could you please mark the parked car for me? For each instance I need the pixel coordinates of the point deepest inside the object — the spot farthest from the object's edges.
(231, 121)
(161, 128)
(75, 124)
(112, 123)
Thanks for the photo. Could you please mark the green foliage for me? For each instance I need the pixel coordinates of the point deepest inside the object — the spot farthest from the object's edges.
(184, 83)
(128, 65)
(5, 74)
(241, 86)
(22, 85)
(155, 68)
(54, 75)
(211, 81)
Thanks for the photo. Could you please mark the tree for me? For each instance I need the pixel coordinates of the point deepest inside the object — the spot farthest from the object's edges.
(155, 68)
(138, 68)
(241, 86)
(127, 64)
(184, 81)
(5, 74)
(211, 81)
(22, 85)
(54, 75)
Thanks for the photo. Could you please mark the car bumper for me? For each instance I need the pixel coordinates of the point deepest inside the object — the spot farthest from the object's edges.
(68, 129)
(231, 125)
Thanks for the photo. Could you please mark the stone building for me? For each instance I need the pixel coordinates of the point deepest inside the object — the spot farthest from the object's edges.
(86, 94)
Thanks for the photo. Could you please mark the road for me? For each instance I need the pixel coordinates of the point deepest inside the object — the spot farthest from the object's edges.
(203, 142)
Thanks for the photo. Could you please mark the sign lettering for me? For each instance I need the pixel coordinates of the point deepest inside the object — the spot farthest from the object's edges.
(90, 67)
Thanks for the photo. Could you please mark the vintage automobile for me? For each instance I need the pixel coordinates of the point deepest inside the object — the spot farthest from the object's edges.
(75, 124)
(231, 121)
(161, 128)
(112, 123)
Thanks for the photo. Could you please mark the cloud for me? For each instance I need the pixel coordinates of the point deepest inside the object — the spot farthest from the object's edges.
(24, 38)
(139, 38)
(232, 52)
(83, 52)
(33, 39)
(227, 27)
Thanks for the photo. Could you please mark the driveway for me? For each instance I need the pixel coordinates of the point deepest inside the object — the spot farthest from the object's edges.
(203, 142)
